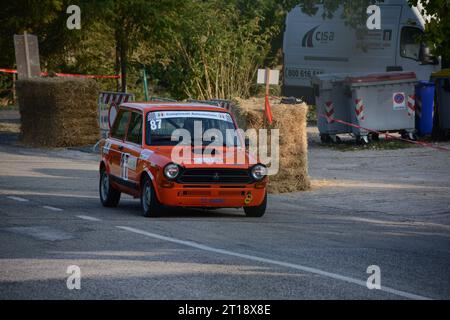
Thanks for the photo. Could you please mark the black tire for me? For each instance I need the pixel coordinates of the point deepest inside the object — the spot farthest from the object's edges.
(413, 136)
(409, 136)
(362, 140)
(373, 136)
(325, 138)
(258, 211)
(149, 202)
(109, 196)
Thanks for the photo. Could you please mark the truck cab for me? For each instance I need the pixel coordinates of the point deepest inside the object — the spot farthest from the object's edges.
(313, 45)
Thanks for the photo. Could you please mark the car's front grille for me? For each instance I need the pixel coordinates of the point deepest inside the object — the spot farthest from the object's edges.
(211, 175)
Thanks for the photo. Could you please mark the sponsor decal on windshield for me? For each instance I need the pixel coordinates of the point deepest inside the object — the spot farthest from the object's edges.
(189, 114)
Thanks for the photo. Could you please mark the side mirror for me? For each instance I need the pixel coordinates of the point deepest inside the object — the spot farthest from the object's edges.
(112, 114)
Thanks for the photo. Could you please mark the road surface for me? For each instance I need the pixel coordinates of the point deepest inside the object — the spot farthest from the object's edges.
(390, 209)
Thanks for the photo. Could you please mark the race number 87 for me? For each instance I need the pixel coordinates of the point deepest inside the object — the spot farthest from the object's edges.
(155, 124)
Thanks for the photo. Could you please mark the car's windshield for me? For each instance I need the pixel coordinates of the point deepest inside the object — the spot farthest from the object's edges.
(161, 125)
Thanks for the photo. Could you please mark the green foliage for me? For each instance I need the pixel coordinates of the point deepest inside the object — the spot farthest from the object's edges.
(215, 58)
(191, 48)
(437, 30)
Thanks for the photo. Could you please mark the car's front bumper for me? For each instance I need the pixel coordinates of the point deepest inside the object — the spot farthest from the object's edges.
(212, 195)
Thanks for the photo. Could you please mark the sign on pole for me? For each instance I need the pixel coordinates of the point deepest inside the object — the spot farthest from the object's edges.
(268, 77)
(27, 56)
(105, 100)
(272, 75)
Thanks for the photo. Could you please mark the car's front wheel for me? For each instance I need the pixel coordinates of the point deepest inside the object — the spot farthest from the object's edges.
(149, 203)
(109, 196)
(257, 211)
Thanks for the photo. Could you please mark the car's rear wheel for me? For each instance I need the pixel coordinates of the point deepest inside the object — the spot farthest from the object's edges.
(149, 203)
(109, 196)
(257, 211)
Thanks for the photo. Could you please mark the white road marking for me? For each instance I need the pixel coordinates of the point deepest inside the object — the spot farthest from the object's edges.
(50, 194)
(18, 199)
(274, 262)
(88, 218)
(52, 208)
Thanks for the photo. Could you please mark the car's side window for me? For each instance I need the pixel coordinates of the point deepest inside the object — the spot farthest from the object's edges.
(409, 43)
(120, 124)
(134, 133)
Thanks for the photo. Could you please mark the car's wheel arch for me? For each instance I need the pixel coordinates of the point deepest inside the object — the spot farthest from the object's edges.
(146, 174)
(103, 166)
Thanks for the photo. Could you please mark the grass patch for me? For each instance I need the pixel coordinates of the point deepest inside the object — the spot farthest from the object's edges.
(9, 127)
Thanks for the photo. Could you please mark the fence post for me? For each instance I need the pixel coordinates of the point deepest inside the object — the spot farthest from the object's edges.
(14, 88)
(144, 81)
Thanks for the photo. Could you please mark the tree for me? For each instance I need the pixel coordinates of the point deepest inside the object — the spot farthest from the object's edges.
(214, 51)
(437, 30)
(134, 22)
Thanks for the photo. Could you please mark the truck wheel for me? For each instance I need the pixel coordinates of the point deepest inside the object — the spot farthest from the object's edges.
(258, 211)
(149, 203)
(109, 196)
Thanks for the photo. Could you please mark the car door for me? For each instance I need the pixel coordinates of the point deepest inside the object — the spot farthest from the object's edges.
(132, 150)
(117, 142)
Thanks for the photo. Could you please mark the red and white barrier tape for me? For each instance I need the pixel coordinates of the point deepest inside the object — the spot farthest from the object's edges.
(420, 143)
(90, 76)
(8, 70)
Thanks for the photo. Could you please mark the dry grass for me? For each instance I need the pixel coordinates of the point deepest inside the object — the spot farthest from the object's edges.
(291, 121)
(58, 112)
(9, 127)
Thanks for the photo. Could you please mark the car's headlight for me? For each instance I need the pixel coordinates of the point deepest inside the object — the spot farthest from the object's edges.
(259, 172)
(171, 171)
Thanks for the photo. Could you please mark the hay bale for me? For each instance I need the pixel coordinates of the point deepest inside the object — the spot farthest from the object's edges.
(58, 112)
(291, 121)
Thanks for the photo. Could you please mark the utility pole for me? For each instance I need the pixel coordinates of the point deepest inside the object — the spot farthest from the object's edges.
(27, 54)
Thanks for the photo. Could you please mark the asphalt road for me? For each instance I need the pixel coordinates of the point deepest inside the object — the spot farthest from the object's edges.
(386, 208)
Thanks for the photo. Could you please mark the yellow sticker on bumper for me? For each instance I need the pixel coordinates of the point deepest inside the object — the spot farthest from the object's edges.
(248, 198)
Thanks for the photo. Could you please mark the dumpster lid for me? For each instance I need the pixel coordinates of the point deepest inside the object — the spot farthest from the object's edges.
(380, 77)
(332, 76)
(329, 77)
(444, 73)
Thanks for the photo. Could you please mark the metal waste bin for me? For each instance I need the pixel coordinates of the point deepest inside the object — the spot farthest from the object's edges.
(331, 104)
(383, 102)
(442, 80)
(424, 107)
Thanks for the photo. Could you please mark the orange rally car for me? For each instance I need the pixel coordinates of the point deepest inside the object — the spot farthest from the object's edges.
(137, 159)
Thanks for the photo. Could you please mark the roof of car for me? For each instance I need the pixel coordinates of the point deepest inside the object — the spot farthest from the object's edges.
(165, 105)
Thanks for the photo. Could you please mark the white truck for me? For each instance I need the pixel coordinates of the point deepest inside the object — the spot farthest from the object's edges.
(313, 45)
